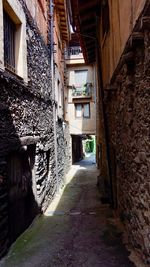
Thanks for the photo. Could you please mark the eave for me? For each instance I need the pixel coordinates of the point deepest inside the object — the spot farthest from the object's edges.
(61, 8)
(85, 17)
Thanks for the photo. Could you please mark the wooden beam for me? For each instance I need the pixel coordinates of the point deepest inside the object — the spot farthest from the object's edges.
(28, 140)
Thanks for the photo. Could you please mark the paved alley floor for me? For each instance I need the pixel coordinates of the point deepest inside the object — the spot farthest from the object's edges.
(76, 231)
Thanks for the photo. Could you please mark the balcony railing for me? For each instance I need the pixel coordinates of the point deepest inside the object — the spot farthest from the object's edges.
(82, 91)
(74, 51)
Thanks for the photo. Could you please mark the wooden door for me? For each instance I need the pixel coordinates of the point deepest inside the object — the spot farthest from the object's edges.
(22, 203)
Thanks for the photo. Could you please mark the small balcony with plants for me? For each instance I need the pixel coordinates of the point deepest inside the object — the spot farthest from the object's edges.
(82, 91)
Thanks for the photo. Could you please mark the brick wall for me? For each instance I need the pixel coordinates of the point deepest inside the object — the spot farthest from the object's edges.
(39, 12)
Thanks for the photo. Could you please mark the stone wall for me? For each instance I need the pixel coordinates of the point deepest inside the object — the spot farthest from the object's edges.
(63, 150)
(27, 152)
(127, 105)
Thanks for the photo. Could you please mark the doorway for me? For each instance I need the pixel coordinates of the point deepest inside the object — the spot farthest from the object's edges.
(22, 206)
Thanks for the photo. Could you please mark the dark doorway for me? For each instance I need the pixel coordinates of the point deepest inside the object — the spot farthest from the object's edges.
(77, 148)
(22, 204)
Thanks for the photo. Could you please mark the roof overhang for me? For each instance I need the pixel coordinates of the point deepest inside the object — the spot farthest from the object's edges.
(61, 8)
(85, 23)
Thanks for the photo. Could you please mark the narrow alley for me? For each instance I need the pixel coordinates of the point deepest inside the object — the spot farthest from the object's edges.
(75, 231)
(74, 82)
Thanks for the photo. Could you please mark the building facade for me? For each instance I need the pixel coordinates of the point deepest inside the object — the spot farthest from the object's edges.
(81, 97)
(29, 154)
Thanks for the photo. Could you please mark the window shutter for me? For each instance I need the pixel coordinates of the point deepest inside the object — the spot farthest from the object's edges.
(78, 108)
(86, 111)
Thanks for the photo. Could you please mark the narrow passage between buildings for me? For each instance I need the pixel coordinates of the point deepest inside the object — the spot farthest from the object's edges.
(76, 231)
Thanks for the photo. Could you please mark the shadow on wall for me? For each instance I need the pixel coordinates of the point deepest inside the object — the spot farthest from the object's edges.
(18, 206)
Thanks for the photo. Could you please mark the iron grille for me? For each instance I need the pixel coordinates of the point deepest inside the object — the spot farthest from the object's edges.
(73, 51)
(9, 42)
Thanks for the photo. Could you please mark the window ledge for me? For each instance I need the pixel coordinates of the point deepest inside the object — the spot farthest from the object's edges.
(14, 9)
(13, 74)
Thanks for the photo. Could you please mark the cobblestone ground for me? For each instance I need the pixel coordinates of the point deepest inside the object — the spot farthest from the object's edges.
(78, 232)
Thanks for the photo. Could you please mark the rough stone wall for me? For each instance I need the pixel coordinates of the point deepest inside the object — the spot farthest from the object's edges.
(63, 150)
(27, 130)
(26, 118)
(128, 125)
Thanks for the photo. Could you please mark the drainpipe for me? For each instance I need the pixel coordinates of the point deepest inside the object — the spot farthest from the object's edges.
(53, 88)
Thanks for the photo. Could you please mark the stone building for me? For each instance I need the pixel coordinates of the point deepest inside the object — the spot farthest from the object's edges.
(61, 39)
(29, 150)
(115, 35)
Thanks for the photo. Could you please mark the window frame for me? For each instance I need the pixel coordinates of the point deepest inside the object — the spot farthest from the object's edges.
(82, 110)
(15, 11)
(9, 42)
(77, 71)
(86, 117)
(77, 104)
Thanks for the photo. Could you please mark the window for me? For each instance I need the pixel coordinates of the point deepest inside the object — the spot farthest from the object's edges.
(74, 51)
(105, 17)
(9, 43)
(82, 110)
(80, 77)
(78, 108)
(13, 45)
(86, 110)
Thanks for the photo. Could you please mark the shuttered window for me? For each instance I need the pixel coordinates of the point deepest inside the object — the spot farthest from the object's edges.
(78, 108)
(80, 77)
(82, 110)
(86, 110)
